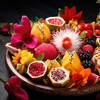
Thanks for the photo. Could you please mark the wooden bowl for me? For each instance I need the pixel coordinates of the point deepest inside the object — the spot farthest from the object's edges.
(26, 81)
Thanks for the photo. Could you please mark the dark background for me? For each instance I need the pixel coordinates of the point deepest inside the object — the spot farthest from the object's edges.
(11, 11)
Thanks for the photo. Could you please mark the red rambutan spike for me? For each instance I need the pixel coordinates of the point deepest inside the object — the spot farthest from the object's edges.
(58, 52)
(62, 54)
(56, 30)
(48, 40)
(53, 32)
(79, 52)
(83, 42)
(52, 38)
(62, 28)
(53, 44)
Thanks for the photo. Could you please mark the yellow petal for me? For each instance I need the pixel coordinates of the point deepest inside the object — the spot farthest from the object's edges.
(23, 60)
(30, 60)
(73, 72)
(87, 72)
(19, 66)
(24, 53)
(82, 73)
(23, 70)
(84, 81)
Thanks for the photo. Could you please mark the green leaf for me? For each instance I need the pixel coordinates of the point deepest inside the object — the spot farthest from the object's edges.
(40, 57)
(94, 34)
(83, 35)
(98, 70)
(38, 20)
(20, 22)
(61, 11)
(32, 23)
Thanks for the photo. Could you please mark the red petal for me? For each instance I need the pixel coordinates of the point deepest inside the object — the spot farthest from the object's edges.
(66, 10)
(65, 17)
(72, 11)
(21, 93)
(15, 80)
(78, 16)
(17, 93)
(5, 28)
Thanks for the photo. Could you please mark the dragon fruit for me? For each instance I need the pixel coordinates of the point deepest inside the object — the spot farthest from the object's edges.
(59, 76)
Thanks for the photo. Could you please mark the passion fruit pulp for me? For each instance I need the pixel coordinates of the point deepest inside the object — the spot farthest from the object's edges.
(37, 70)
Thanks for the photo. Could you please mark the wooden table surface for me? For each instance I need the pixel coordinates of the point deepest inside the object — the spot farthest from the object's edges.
(11, 11)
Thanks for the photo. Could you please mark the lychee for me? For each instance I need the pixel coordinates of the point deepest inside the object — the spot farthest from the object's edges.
(50, 52)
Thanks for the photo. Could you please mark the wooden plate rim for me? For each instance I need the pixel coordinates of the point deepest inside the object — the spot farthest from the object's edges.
(48, 89)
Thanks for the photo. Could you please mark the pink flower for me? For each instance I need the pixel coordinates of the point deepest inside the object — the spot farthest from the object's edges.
(23, 34)
(13, 87)
(5, 28)
(98, 96)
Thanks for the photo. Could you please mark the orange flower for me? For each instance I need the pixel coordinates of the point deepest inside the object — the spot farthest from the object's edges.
(79, 77)
(16, 58)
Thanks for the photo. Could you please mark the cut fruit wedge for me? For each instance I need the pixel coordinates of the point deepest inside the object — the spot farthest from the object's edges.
(55, 23)
(37, 70)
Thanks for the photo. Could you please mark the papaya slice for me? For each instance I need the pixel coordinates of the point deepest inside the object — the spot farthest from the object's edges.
(71, 61)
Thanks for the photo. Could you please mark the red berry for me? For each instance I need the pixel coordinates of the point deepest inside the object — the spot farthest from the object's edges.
(88, 26)
(66, 39)
(66, 42)
(80, 27)
(79, 52)
(87, 48)
(89, 33)
(97, 31)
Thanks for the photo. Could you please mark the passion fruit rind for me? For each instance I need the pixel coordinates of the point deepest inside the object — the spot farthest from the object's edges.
(40, 77)
(59, 76)
(52, 26)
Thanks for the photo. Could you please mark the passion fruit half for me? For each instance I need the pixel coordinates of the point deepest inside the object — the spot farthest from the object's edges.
(37, 70)
(55, 23)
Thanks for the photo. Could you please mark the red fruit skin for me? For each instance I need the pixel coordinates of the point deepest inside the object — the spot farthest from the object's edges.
(93, 78)
(88, 26)
(89, 33)
(97, 26)
(87, 48)
(80, 27)
(67, 44)
(97, 31)
(50, 52)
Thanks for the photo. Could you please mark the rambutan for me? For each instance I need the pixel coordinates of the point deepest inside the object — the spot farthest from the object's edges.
(72, 35)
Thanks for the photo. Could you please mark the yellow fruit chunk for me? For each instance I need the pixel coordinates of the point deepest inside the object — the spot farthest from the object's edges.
(41, 31)
(52, 64)
(71, 61)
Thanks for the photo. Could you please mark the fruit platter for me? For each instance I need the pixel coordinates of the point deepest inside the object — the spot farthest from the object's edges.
(59, 55)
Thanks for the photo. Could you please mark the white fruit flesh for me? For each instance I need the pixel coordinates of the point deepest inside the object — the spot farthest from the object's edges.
(58, 74)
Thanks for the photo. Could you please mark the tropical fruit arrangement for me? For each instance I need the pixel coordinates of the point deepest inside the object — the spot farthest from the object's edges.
(59, 51)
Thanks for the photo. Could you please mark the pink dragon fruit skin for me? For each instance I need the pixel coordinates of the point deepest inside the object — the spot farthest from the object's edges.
(93, 79)
(50, 52)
